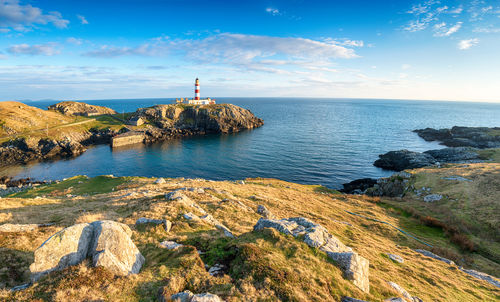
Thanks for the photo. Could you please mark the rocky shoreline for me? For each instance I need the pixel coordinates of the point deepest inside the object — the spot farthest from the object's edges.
(158, 123)
(465, 144)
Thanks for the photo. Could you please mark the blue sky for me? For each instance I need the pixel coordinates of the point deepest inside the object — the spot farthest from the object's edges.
(437, 50)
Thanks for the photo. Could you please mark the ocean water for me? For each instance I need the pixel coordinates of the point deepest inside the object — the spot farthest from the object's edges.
(309, 141)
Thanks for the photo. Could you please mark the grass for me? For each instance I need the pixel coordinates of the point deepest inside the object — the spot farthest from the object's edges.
(468, 212)
(264, 265)
(78, 185)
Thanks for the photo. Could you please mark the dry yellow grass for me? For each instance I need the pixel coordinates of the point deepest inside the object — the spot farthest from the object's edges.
(17, 118)
(263, 265)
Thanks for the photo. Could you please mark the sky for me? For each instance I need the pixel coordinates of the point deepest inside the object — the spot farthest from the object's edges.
(81, 50)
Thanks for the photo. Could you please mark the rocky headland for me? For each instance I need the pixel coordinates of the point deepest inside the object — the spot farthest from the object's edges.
(71, 127)
(79, 108)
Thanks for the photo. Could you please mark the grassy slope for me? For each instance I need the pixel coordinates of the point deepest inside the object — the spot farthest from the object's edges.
(28, 121)
(264, 265)
(469, 206)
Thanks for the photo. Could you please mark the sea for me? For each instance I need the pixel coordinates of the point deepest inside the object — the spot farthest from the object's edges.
(309, 141)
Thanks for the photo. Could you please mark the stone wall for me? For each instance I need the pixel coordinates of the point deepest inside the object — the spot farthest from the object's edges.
(128, 138)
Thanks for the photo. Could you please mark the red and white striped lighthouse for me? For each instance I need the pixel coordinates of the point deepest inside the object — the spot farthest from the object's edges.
(197, 90)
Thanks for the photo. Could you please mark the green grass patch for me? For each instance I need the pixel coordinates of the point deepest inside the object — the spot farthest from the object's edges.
(323, 189)
(78, 185)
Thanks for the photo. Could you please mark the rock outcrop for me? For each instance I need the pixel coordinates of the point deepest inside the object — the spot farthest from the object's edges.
(477, 137)
(220, 118)
(108, 243)
(358, 186)
(78, 108)
(403, 159)
(354, 267)
(23, 150)
(187, 296)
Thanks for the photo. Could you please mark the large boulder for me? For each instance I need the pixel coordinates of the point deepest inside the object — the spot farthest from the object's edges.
(108, 243)
(403, 159)
(354, 267)
(65, 248)
(113, 249)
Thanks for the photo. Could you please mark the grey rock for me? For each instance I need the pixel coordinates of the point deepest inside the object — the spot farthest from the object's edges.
(190, 216)
(217, 270)
(482, 276)
(404, 159)
(477, 137)
(432, 255)
(457, 178)
(184, 296)
(349, 299)
(160, 180)
(145, 221)
(400, 290)
(188, 296)
(169, 245)
(454, 155)
(394, 299)
(395, 258)
(108, 243)
(113, 249)
(20, 287)
(355, 267)
(67, 247)
(433, 197)
(262, 210)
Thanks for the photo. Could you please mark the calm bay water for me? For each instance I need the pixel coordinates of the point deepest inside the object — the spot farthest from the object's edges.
(310, 141)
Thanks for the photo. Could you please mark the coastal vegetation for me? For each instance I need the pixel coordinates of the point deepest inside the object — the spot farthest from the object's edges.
(255, 264)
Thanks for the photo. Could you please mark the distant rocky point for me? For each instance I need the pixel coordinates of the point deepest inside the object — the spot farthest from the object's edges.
(79, 108)
(477, 137)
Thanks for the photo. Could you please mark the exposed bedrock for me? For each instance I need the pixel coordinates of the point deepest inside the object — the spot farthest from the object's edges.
(477, 137)
(404, 159)
(354, 267)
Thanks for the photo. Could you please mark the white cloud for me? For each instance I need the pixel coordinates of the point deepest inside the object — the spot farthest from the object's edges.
(487, 30)
(466, 44)
(2, 56)
(233, 49)
(82, 19)
(405, 66)
(47, 49)
(441, 30)
(19, 17)
(457, 10)
(75, 41)
(273, 11)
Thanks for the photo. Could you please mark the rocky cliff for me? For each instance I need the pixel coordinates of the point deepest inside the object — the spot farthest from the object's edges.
(78, 108)
(220, 118)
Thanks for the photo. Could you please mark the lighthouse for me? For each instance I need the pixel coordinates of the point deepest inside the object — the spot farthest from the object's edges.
(197, 90)
(197, 100)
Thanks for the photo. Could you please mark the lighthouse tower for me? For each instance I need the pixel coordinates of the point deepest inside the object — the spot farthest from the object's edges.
(197, 90)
